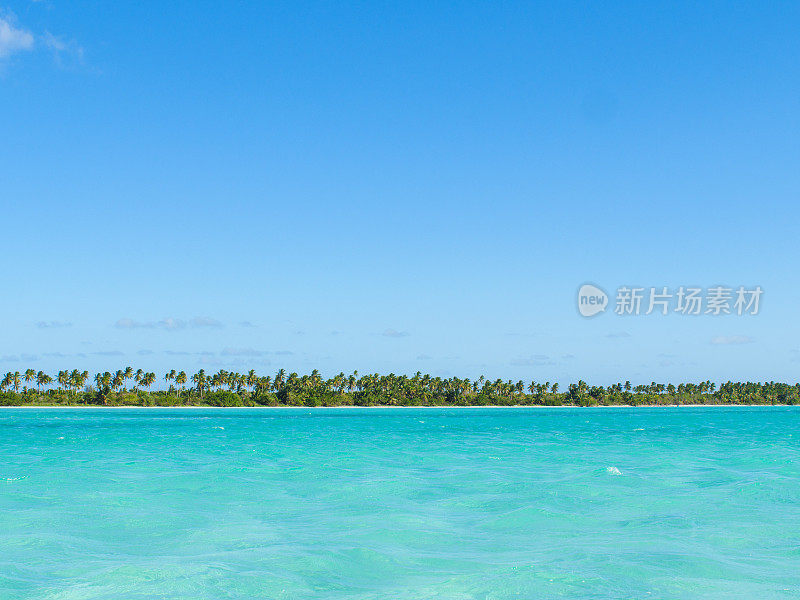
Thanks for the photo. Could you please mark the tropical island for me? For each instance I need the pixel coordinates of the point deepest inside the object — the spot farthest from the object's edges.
(129, 387)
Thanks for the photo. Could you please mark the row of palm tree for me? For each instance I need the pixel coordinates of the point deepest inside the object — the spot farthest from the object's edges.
(74, 381)
(202, 382)
(15, 380)
(384, 389)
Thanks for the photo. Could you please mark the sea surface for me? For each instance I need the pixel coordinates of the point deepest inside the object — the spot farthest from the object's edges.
(400, 503)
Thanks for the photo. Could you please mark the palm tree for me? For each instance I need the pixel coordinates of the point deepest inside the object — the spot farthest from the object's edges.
(250, 380)
(263, 385)
(127, 374)
(117, 380)
(199, 379)
(169, 377)
(279, 379)
(15, 381)
(42, 378)
(291, 381)
(77, 379)
(148, 379)
(137, 379)
(62, 379)
(73, 380)
(103, 383)
(180, 379)
(29, 376)
(233, 380)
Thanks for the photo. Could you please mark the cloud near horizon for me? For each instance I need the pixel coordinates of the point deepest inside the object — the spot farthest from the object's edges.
(246, 361)
(168, 323)
(393, 333)
(52, 324)
(241, 352)
(537, 360)
(19, 358)
(728, 340)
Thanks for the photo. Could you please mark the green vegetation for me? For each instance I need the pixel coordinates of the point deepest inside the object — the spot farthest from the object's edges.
(132, 388)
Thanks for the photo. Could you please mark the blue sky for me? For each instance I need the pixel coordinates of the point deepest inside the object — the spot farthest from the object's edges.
(397, 187)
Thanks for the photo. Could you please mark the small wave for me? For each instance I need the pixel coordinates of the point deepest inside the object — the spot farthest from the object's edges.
(639, 429)
(613, 471)
(60, 437)
(218, 427)
(16, 478)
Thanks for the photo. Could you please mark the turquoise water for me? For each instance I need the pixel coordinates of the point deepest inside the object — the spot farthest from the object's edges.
(400, 503)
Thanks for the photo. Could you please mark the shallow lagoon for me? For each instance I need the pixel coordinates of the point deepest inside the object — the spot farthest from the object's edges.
(396, 503)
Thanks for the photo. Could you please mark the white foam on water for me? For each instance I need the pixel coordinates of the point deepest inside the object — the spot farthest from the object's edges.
(218, 427)
(613, 471)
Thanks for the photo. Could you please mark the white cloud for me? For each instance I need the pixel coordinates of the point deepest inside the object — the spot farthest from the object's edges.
(205, 322)
(56, 44)
(13, 39)
(52, 324)
(126, 323)
(172, 324)
(168, 323)
(241, 352)
(537, 360)
(732, 339)
(393, 333)
(18, 358)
